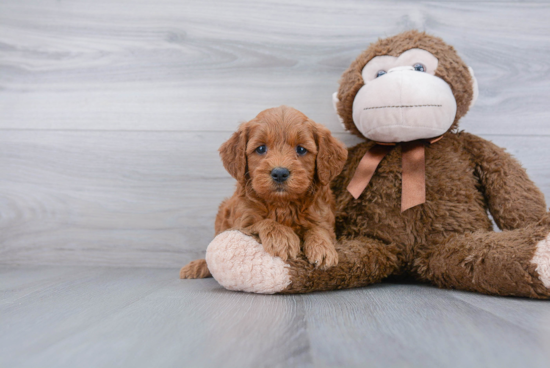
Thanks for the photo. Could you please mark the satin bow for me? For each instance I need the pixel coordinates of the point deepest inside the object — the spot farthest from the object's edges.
(413, 170)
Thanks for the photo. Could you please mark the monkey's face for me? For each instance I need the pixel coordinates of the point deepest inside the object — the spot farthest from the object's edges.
(402, 99)
(405, 87)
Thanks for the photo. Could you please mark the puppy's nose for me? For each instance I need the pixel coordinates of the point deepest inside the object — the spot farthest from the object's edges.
(280, 174)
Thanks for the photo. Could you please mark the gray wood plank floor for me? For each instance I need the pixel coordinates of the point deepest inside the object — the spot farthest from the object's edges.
(145, 317)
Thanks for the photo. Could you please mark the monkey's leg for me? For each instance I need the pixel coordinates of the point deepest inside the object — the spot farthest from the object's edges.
(238, 262)
(515, 262)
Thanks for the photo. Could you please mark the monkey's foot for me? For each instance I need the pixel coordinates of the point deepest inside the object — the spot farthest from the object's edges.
(238, 262)
(542, 260)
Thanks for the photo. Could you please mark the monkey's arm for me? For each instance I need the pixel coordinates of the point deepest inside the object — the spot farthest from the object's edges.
(513, 199)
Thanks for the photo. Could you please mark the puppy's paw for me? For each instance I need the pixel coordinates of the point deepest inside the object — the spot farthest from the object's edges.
(281, 242)
(195, 270)
(320, 252)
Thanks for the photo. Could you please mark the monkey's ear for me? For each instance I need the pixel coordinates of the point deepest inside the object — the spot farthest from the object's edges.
(331, 156)
(474, 87)
(335, 101)
(233, 154)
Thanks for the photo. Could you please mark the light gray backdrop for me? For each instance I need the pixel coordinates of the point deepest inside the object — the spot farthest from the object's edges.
(111, 113)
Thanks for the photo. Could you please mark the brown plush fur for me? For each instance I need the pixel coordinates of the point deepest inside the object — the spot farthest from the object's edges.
(282, 214)
(448, 240)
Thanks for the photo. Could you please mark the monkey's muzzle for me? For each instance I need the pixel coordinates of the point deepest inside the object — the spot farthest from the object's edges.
(404, 105)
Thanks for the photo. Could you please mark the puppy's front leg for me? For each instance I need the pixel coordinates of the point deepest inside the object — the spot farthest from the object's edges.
(319, 247)
(278, 240)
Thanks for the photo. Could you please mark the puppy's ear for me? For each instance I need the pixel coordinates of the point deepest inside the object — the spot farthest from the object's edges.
(331, 155)
(233, 153)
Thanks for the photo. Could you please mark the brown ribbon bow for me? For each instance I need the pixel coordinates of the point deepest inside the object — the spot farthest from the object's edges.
(413, 174)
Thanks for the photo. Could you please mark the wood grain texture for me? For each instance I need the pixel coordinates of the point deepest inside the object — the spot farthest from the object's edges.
(111, 112)
(132, 198)
(388, 325)
(104, 317)
(204, 65)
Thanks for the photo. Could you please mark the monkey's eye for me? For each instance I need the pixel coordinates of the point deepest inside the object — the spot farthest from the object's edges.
(301, 150)
(261, 150)
(380, 73)
(419, 67)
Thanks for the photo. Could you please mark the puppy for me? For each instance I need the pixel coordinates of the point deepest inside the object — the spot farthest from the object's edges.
(283, 163)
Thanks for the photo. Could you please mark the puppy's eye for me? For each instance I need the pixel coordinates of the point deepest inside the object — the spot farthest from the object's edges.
(261, 150)
(419, 67)
(380, 73)
(301, 150)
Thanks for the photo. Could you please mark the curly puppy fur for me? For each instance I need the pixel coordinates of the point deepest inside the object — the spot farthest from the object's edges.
(295, 214)
(450, 68)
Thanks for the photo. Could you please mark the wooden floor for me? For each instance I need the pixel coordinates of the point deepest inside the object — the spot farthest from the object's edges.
(111, 114)
(146, 317)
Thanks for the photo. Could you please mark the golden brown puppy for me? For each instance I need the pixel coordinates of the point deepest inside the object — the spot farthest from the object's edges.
(283, 163)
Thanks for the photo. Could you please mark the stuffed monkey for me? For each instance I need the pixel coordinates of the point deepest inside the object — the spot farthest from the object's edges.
(414, 197)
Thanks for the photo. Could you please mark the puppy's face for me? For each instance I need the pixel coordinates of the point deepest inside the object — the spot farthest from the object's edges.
(282, 154)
